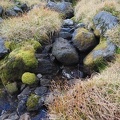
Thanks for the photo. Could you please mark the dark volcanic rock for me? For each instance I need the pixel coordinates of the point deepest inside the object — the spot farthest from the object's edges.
(3, 50)
(104, 21)
(65, 52)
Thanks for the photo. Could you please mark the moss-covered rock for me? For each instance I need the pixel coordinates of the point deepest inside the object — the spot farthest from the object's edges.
(11, 88)
(98, 57)
(32, 102)
(28, 78)
(83, 39)
(19, 60)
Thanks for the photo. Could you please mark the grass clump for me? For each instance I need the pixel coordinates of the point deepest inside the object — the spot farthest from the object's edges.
(98, 98)
(85, 10)
(37, 25)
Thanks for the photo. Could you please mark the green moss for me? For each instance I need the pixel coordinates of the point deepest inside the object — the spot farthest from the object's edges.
(19, 60)
(28, 78)
(32, 102)
(118, 50)
(11, 88)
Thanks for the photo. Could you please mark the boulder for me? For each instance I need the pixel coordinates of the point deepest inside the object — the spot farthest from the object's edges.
(11, 13)
(65, 52)
(83, 39)
(63, 7)
(3, 49)
(67, 22)
(1, 11)
(99, 56)
(104, 21)
(46, 65)
(65, 35)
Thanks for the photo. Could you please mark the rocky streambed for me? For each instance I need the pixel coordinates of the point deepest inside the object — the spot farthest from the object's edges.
(74, 53)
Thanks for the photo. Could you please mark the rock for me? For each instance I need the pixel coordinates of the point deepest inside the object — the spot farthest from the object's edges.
(29, 78)
(1, 11)
(11, 88)
(45, 82)
(24, 7)
(17, 9)
(3, 49)
(72, 73)
(65, 30)
(46, 66)
(42, 115)
(83, 39)
(67, 22)
(65, 52)
(39, 76)
(9, 116)
(65, 35)
(104, 21)
(80, 25)
(41, 91)
(33, 102)
(11, 13)
(25, 116)
(63, 7)
(99, 56)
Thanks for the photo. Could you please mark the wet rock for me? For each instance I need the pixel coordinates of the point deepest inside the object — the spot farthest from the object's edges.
(65, 52)
(25, 116)
(1, 11)
(17, 9)
(11, 13)
(83, 39)
(67, 22)
(45, 82)
(62, 7)
(3, 49)
(46, 66)
(104, 21)
(8, 116)
(41, 91)
(72, 73)
(65, 35)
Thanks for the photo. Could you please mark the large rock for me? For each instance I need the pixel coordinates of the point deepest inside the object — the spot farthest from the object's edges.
(11, 13)
(65, 52)
(99, 56)
(104, 21)
(83, 39)
(63, 7)
(1, 11)
(3, 49)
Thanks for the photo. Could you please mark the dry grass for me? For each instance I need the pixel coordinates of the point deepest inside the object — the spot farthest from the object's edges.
(97, 98)
(6, 4)
(37, 24)
(85, 10)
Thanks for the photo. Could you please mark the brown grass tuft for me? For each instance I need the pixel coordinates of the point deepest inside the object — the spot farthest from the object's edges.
(6, 4)
(97, 98)
(37, 24)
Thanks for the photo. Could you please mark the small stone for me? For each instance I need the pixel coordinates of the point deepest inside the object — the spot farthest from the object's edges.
(45, 82)
(41, 90)
(68, 22)
(39, 76)
(25, 116)
(65, 35)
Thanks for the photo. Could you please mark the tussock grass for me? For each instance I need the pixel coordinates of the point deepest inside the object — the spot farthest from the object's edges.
(97, 98)
(85, 10)
(6, 4)
(37, 24)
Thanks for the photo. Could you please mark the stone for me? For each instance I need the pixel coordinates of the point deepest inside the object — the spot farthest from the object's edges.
(80, 25)
(100, 54)
(83, 39)
(67, 22)
(46, 65)
(65, 52)
(25, 116)
(1, 11)
(39, 76)
(45, 82)
(11, 13)
(24, 7)
(65, 35)
(41, 91)
(63, 7)
(17, 9)
(3, 49)
(104, 21)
